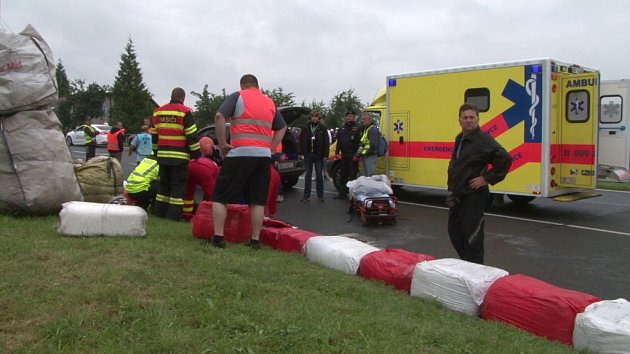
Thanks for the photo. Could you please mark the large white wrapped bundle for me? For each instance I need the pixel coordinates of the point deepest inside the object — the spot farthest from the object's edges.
(603, 327)
(338, 252)
(96, 219)
(457, 284)
(27, 72)
(36, 168)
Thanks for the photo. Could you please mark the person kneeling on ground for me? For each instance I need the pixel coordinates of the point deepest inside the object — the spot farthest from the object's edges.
(142, 182)
(202, 172)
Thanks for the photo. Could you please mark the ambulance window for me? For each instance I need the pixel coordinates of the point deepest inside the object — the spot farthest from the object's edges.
(610, 109)
(478, 96)
(578, 109)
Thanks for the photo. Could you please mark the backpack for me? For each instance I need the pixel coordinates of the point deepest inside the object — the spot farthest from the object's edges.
(383, 146)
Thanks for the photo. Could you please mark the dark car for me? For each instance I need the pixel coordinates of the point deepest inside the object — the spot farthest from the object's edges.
(290, 166)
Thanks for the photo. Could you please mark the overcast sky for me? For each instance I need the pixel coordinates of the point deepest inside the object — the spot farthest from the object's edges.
(316, 49)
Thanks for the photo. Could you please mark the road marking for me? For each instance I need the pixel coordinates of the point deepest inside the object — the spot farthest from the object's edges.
(531, 220)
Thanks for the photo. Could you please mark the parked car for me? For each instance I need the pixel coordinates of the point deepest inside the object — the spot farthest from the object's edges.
(290, 166)
(77, 137)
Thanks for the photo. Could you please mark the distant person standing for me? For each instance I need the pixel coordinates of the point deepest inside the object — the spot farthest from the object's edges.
(257, 127)
(348, 139)
(148, 123)
(142, 144)
(116, 141)
(314, 145)
(468, 179)
(90, 139)
(368, 144)
(175, 143)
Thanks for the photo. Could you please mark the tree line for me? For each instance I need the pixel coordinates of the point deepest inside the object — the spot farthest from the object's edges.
(130, 100)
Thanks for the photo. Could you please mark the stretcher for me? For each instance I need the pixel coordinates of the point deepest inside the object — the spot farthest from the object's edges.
(372, 199)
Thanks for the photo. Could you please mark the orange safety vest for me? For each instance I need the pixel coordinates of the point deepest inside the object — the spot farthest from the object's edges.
(253, 127)
(112, 141)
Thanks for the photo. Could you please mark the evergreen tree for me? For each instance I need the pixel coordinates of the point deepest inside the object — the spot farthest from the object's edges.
(342, 102)
(86, 101)
(131, 99)
(280, 98)
(206, 106)
(64, 105)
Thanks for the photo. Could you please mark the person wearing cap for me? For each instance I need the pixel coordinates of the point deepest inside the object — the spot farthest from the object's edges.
(201, 172)
(347, 145)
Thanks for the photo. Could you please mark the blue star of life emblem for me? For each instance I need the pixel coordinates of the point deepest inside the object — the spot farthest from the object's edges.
(576, 106)
(398, 126)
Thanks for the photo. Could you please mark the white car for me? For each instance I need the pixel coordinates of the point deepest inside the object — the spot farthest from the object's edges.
(77, 137)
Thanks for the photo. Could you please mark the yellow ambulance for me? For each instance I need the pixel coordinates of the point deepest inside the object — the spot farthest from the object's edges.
(544, 112)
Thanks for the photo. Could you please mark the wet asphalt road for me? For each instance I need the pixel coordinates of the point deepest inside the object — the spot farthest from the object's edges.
(582, 245)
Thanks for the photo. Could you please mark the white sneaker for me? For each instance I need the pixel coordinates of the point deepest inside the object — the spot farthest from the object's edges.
(280, 198)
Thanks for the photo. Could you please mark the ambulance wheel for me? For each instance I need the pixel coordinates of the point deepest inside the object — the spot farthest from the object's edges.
(520, 199)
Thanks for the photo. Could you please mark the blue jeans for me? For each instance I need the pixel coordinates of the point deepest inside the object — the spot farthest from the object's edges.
(310, 160)
(369, 165)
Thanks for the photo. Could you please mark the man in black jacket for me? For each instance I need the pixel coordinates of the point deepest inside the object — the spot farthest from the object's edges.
(468, 179)
(348, 139)
(314, 145)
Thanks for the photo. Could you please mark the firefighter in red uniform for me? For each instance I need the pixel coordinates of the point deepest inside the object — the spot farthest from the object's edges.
(174, 144)
(201, 172)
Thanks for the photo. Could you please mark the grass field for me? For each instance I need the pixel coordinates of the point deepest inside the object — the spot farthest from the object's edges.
(168, 292)
(616, 186)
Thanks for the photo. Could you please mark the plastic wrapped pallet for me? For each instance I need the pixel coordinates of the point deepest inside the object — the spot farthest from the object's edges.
(338, 252)
(393, 266)
(96, 219)
(457, 284)
(286, 239)
(237, 227)
(603, 327)
(535, 306)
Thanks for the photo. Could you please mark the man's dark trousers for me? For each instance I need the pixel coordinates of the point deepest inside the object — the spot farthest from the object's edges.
(465, 226)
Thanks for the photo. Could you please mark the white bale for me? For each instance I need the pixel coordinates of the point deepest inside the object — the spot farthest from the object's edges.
(603, 327)
(337, 252)
(458, 285)
(96, 219)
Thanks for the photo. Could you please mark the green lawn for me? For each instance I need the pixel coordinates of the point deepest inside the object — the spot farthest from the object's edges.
(169, 292)
(617, 186)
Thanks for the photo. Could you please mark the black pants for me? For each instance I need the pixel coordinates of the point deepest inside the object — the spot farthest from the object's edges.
(145, 198)
(169, 201)
(465, 226)
(90, 151)
(347, 171)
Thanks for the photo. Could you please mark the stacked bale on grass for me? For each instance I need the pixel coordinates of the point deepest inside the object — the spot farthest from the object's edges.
(238, 224)
(603, 327)
(393, 266)
(36, 167)
(341, 252)
(456, 284)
